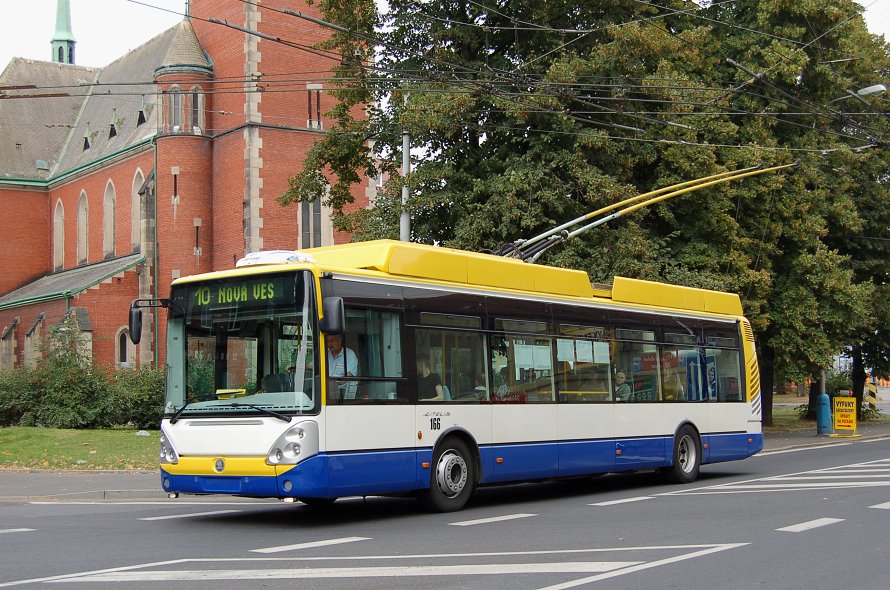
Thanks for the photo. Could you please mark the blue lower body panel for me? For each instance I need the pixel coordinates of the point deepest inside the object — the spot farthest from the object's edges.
(256, 486)
(732, 446)
(394, 471)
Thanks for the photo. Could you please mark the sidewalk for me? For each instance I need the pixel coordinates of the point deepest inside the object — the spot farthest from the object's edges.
(794, 439)
(97, 486)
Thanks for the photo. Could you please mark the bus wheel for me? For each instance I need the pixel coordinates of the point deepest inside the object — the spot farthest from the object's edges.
(687, 457)
(318, 502)
(452, 478)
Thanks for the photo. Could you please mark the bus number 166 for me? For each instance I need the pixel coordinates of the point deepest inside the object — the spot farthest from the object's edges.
(435, 424)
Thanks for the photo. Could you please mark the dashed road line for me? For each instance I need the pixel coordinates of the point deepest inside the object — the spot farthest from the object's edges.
(310, 545)
(490, 520)
(190, 515)
(622, 501)
(809, 525)
(2, 531)
(884, 506)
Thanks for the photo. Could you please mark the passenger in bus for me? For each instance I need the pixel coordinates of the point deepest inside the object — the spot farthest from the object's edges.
(429, 384)
(623, 391)
(481, 390)
(342, 361)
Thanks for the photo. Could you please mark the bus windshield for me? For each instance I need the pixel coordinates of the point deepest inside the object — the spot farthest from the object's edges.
(243, 345)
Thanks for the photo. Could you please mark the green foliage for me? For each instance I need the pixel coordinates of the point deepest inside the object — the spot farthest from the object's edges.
(525, 127)
(838, 382)
(70, 390)
(201, 380)
(65, 390)
(17, 400)
(137, 397)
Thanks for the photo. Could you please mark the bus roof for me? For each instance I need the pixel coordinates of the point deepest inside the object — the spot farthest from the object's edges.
(410, 261)
(419, 261)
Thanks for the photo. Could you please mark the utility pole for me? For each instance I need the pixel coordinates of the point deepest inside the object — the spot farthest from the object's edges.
(405, 217)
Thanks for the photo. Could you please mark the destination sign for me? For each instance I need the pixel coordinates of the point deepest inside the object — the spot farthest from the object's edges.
(240, 294)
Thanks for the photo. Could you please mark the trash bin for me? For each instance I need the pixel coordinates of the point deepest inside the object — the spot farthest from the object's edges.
(823, 414)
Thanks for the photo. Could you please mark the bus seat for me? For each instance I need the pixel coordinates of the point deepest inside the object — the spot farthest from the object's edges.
(445, 393)
(278, 382)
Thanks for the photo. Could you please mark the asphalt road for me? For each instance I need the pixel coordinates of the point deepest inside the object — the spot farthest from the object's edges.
(807, 518)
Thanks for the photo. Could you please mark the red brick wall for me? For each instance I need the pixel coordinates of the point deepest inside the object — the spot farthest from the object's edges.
(107, 305)
(29, 216)
(94, 183)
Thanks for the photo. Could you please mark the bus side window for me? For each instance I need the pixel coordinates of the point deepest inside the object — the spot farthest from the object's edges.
(372, 342)
(722, 376)
(450, 365)
(640, 364)
(523, 369)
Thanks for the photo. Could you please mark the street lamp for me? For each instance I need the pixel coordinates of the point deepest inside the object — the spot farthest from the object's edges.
(867, 91)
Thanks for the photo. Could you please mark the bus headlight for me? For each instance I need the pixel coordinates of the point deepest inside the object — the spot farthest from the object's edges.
(168, 453)
(296, 444)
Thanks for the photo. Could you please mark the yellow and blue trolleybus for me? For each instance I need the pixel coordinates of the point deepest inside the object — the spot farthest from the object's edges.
(389, 368)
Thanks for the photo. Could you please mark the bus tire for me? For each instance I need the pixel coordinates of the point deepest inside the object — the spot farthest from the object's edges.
(686, 458)
(452, 477)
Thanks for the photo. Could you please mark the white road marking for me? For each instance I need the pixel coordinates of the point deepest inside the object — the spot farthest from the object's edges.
(884, 506)
(157, 503)
(812, 524)
(15, 531)
(858, 475)
(622, 501)
(190, 515)
(424, 558)
(570, 567)
(645, 566)
(310, 545)
(813, 448)
(490, 520)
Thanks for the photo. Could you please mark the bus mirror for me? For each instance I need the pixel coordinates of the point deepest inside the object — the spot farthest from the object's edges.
(334, 318)
(135, 324)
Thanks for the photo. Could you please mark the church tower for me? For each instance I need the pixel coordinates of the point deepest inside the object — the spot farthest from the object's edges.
(63, 40)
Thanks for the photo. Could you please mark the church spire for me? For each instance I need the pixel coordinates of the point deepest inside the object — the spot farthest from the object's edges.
(63, 40)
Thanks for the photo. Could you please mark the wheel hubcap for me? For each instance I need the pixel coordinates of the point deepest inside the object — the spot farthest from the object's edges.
(451, 473)
(686, 454)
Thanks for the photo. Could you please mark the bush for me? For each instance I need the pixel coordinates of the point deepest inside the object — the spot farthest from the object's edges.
(17, 399)
(65, 390)
(69, 391)
(136, 396)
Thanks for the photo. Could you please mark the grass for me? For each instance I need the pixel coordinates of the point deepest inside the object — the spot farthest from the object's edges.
(50, 448)
(786, 416)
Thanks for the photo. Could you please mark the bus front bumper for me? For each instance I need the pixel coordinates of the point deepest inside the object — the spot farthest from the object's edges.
(244, 476)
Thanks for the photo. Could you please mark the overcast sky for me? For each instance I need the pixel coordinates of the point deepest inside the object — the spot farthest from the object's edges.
(106, 29)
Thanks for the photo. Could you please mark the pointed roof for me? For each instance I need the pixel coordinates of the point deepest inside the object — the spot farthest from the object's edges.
(35, 129)
(63, 22)
(184, 53)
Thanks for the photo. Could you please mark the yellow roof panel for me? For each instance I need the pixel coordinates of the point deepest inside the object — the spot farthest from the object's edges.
(435, 263)
(674, 296)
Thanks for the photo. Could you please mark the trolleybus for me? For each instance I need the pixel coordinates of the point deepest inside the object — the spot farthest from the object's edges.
(387, 367)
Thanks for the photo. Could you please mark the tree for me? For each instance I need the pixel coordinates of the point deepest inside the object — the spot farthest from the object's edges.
(531, 113)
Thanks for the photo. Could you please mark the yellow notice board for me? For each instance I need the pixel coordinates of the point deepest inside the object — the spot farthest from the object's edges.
(845, 415)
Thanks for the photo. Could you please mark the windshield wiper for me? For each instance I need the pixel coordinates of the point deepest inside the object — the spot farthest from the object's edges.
(260, 409)
(178, 412)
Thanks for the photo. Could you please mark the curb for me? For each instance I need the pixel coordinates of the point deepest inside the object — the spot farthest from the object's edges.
(824, 442)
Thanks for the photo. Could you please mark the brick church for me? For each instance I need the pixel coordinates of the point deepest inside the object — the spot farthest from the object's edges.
(164, 163)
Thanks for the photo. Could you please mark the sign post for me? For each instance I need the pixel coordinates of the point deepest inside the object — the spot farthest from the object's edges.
(845, 417)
